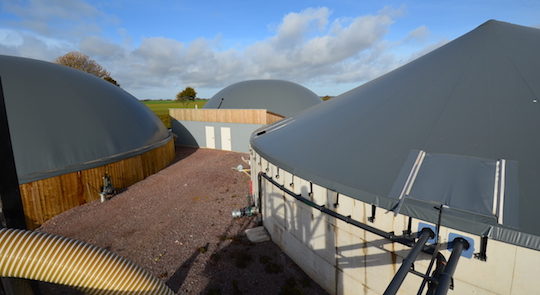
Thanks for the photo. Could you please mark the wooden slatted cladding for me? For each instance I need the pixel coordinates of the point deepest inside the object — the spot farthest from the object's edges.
(244, 116)
(43, 199)
(273, 117)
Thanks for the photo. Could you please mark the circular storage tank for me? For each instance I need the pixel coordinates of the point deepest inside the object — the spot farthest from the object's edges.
(456, 130)
(277, 96)
(68, 129)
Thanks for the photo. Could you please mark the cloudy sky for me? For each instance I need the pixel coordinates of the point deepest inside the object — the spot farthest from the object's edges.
(156, 48)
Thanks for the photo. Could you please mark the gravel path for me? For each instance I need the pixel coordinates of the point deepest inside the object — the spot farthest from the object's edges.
(177, 224)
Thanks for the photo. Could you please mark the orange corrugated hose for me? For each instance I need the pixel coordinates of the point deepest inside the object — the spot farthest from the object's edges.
(55, 259)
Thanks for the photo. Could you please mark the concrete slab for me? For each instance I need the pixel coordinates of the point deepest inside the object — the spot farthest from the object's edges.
(257, 234)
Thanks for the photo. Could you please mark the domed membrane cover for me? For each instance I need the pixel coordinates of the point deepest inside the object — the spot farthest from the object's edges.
(277, 96)
(64, 120)
(468, 105)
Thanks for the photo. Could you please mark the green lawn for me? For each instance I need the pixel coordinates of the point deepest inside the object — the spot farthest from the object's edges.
(161, 107)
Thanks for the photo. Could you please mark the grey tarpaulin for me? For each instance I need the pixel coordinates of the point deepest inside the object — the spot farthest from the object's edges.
(463, 183)
(63, 120)
(467, 104)
(277, 96)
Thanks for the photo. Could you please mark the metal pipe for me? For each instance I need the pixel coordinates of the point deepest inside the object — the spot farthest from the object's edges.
(445, 278)
(396, 282)
(246, 211)
(387, 235)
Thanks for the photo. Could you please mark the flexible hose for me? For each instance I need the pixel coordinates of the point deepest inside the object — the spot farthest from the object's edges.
(55, 259)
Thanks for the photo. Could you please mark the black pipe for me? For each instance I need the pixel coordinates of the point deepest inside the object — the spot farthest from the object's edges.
(220, 102)
(445, 278)
(387, 235)
(396, 282)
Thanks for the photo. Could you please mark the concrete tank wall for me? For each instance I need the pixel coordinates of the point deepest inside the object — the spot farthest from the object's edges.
(193, 133)
(344, 259)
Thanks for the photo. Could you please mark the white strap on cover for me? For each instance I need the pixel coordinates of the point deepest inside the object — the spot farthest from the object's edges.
(498, 190)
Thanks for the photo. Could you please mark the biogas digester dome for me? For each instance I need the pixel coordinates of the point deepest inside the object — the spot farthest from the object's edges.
(449, 141)
(277, 96)
(63, 121)
(470, 103)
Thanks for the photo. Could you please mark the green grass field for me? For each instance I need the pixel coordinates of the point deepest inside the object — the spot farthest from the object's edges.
(161, 107)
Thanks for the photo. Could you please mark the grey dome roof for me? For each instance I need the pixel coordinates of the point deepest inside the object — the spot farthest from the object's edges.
(63, 120)
(467, 104)
(277, 96)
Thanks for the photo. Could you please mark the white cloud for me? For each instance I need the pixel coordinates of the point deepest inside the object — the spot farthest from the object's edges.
(295, 26)
(307, 47)
(418, 34)
(27, 44)
(56, 18)
(100, 48)
(339, 44)
(49, 9)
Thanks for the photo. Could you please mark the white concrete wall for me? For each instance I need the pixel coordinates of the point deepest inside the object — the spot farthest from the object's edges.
(344, 259)
(193, 133)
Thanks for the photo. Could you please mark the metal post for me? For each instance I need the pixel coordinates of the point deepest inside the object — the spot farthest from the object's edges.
(12, 209)
(259, 192)
(396, 282)
(445, 278)
(11, 204)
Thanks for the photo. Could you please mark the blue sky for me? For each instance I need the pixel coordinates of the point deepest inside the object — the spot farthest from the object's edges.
(156, 48)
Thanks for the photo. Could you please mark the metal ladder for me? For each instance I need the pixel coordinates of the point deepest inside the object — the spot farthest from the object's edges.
(440, 280)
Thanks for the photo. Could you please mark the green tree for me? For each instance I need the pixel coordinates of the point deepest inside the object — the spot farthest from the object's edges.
(188, 93)
(327, 97)
(83, 62)
(111, 80)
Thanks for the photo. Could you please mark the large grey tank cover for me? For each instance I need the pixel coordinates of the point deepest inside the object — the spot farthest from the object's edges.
(469, 109)
(277, 96)
(63, 120)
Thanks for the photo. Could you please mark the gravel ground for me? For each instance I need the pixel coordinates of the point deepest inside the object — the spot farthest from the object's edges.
(177, 224)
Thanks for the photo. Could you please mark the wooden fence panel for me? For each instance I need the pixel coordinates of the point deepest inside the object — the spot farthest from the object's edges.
(273, 117)
(43, 199)
(244, 116)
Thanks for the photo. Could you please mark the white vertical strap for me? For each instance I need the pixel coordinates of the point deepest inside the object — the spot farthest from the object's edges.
(496, 188)
(422, 155)
(501, 193)
(412, 174)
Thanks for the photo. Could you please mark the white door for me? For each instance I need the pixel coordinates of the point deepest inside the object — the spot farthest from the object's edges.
(226, 138)
(210, 137)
